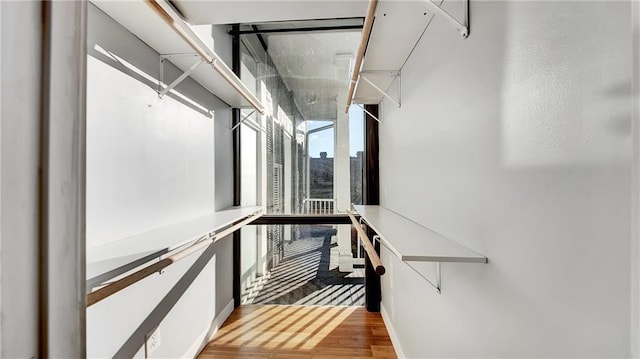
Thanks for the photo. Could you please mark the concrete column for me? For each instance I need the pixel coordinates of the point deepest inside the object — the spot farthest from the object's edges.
(287, 176)
(261, 265)
(341, 164)
(342, 181)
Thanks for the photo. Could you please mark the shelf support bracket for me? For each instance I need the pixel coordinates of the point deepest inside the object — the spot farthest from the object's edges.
(176, 81)
(368, 113)
(463, 28)
(242, 120)
(384, 93)
(437, 284)
(256, 127)
(163, 57)
(376, 238)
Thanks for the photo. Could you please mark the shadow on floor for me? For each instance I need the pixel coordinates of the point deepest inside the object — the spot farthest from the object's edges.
(308, 274)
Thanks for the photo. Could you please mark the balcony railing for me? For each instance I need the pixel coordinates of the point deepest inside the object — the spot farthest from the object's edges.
(319, 205)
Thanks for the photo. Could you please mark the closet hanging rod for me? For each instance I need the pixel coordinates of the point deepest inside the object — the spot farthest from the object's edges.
(120, 284)
(184, 30)
(364, 40)
(376, 263)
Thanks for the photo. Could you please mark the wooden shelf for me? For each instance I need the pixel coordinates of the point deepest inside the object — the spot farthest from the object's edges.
(110, 260)
(142, 21)
(413, 242)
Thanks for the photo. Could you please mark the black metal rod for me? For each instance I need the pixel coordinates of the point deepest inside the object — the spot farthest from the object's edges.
(302, 219)
(43, 244)
(262, 41)
(235, 67)
(298, 29)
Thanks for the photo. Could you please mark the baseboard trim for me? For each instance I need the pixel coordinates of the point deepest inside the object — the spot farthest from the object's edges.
(392, 332)
(206, 336)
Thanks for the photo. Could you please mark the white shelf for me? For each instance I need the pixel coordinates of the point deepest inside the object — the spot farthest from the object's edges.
(115, 258)
(410, 241)
(142, 21)
(397, 28)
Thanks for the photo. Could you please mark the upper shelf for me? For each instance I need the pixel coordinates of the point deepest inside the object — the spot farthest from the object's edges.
(160, 26)
(118, 257)
(397, 28)
(412, 242)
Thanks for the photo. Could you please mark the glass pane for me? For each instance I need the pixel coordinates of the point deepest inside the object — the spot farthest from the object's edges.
(302, 79)
(321, 146)
(309, 268)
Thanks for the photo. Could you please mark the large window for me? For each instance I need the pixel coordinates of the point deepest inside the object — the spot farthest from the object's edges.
(320, 158)
(306, 152)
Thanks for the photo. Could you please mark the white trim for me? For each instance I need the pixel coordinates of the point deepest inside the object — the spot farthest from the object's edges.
(1, 308)
(62, 196)
(207, 335)
(635, 190)
(392, 332)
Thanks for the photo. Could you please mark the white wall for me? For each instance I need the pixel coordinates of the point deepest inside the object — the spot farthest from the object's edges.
(635, 214)
(152, 162)
(516, 143)
(0, 180)
(21, 56)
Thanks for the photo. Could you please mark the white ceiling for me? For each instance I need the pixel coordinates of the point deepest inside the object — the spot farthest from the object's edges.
(315, 67)
(241, 11)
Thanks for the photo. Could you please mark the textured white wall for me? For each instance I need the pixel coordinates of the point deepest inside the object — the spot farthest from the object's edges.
(150, 160)
(0, 181)
(21, 56)
(635, 219)
(150, 163)
(516, 143)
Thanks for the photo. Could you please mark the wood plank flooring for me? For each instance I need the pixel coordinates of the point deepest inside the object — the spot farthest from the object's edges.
(286, 331)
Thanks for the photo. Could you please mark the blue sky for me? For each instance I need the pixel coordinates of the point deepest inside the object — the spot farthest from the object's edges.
(323, 141)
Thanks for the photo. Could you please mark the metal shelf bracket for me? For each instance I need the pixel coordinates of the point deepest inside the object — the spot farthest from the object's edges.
(242, 120)
(461, 27)
(369, 113)
(163, 91)
(377, 88)
(249, 122)
(438, 282)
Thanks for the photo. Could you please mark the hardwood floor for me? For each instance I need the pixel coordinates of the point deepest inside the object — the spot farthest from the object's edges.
(285, 331)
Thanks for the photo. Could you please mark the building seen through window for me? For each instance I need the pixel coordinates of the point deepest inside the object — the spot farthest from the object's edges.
(305, 157)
